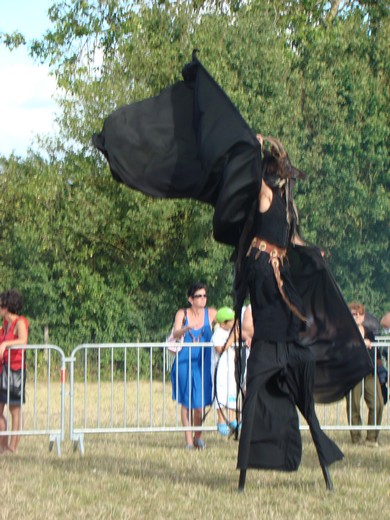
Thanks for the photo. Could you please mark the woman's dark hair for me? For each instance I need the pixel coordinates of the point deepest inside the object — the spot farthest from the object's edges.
(12, 300)
(195, 287)
(277, 165)
(357, 307)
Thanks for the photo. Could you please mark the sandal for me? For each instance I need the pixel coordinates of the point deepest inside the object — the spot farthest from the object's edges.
(233, 425)
(199, 443)
(223, 429)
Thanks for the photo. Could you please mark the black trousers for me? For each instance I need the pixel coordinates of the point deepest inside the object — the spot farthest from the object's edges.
(280, 377)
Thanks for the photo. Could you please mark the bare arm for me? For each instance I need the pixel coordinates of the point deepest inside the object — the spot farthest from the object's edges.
(178, 329)
(212, 315)
(265, 193)
(265, 197)
(296, 239)
(247, 326)
(385, 321)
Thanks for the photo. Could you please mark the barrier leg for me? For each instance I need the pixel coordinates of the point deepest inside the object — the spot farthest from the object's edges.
(78, 442)
(57, 440)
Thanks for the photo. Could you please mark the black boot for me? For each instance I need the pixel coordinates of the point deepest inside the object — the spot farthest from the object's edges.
(241, 482)
(328, 480)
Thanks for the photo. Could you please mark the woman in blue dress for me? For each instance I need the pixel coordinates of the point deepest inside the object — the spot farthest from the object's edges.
(191, 374)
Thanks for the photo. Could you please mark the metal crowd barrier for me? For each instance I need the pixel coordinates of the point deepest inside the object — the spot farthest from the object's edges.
(44, 410)
(126, 388)
(133, 395)
(127, 398)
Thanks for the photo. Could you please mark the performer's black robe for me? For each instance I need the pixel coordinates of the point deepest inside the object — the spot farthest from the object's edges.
(190, 141)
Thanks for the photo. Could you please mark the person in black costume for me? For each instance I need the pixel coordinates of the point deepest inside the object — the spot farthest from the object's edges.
(280, 372)
(190, 141)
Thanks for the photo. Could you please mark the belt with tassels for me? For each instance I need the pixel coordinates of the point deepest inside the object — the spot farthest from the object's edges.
(277, 255)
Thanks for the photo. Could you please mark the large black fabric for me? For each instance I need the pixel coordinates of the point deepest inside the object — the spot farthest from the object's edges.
(191, 142)
(331, 333)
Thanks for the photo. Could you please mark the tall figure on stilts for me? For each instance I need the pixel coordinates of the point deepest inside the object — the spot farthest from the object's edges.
(280, 373)
(190, 141)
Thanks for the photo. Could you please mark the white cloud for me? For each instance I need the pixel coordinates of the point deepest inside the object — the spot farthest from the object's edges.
(27, 106)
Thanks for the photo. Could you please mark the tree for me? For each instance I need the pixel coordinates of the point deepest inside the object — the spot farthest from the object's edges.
(344, 101)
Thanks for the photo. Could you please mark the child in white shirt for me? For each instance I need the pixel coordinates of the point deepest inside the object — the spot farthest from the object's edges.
(226, 386)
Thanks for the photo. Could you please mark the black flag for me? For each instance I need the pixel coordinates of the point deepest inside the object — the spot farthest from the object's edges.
(190, 141)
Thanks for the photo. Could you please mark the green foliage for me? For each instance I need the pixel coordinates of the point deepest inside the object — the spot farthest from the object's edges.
(56, 259)
(76, 245)
(100, 263)
(12, 41)
(346, 204)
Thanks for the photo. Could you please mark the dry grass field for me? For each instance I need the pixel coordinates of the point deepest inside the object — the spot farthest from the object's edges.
(152, 476)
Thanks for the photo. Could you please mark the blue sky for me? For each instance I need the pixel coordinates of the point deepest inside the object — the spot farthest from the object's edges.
(27, 105)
